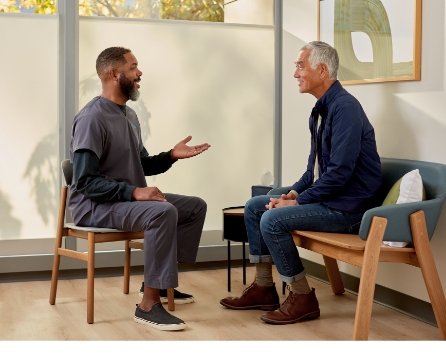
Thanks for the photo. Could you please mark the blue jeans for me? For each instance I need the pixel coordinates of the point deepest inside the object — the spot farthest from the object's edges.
(269, 232)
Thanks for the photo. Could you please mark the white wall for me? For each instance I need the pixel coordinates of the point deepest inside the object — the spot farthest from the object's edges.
(409, 120)
(212, 81)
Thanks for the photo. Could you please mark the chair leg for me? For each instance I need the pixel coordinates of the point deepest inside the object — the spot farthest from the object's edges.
(56, 266)
(127, 253)
(428, 269)
(170, 300)
(333, 275)
(90, 278)
(58, 244)
(368, 279)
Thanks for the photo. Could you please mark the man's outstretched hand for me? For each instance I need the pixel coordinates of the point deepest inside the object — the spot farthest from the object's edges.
(183, 151)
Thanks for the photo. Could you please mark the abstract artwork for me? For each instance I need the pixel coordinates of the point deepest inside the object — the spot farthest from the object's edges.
(377, 40)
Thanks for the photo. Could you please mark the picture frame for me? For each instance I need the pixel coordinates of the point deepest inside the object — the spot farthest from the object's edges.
(377, 40)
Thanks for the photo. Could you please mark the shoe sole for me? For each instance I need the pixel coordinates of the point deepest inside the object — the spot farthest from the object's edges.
(176, 301)
(253, 307)
(161, 327)
(309, 316)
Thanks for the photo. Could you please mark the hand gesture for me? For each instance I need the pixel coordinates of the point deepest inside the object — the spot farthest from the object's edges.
(183, 151)
(148, 194)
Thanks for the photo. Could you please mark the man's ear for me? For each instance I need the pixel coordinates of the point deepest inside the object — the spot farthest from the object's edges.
(324, 71)
(113, 74)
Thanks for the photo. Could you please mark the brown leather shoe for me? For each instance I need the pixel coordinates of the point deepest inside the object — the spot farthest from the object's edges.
(254, 297)
(295, 308)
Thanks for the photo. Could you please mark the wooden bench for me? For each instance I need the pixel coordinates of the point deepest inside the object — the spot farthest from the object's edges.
(410, 222)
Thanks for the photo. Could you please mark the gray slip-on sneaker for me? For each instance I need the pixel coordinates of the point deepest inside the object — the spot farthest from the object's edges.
(158, 318)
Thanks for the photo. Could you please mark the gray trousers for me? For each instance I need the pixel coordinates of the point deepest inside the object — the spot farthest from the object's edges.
(172, 232)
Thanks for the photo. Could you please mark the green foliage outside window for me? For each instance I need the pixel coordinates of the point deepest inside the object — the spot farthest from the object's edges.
(193, 10)
(8, 6)
(39, 6)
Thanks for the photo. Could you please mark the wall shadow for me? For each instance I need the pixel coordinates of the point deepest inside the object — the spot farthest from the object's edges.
(42, 175)
(91, 86)
(10, 226)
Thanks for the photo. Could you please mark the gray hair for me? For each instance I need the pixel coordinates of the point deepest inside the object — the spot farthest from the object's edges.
(322, 52)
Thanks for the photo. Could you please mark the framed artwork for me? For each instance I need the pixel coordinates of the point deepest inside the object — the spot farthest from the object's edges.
(377, 40)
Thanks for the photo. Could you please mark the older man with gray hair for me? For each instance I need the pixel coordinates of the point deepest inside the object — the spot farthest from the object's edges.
(343, 174)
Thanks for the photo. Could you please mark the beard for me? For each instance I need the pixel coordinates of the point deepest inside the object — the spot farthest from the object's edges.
(128, 87)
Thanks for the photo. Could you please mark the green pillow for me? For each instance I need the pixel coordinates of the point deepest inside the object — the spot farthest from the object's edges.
(408, 188)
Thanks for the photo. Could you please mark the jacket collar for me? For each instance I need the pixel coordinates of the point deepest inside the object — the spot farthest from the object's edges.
(323, 102)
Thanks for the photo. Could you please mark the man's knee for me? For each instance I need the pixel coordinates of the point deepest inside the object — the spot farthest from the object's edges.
(164, 213)
(270, 222)
(257, 203)
(201, 205)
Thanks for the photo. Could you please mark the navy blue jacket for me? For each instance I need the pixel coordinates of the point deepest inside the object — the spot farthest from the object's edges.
(349, 164)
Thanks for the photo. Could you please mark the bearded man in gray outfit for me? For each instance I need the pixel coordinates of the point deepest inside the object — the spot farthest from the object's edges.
(110, 190)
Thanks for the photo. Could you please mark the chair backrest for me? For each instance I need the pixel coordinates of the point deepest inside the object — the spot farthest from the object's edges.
(67, 170)
(432, 174)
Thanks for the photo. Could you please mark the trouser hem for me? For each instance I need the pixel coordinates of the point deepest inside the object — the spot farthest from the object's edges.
(292, 279)
(260, 259)
(155, 283)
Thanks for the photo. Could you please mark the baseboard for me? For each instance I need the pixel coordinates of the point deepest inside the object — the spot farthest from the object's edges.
(212, 248)
(408, 305)
(109, 271)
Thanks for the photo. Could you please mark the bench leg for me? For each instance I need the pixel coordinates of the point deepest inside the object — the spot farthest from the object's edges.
(368, 279)
(428, 269)
(333, 275)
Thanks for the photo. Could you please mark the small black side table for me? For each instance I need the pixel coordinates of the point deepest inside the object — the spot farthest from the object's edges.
(234, 230)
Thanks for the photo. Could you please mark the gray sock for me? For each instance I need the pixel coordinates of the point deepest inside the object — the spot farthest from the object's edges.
(301, 286)
(264, 274)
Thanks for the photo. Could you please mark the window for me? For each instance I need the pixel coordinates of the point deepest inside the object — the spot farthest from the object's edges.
(193, 10)
(258, 12)
(46, 7)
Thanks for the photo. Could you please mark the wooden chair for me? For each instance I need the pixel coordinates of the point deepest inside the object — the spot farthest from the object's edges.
(93, 235)
(410, 222)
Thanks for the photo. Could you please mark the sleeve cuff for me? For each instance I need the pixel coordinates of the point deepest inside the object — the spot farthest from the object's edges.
(128, 192)
(294, 192)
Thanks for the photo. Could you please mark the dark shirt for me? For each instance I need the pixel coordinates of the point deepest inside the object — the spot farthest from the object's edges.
(349, 164)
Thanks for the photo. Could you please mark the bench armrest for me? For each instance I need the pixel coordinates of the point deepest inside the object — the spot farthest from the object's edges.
(397, 215)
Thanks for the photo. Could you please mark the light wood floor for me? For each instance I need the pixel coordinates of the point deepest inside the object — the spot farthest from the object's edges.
(26, 315)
